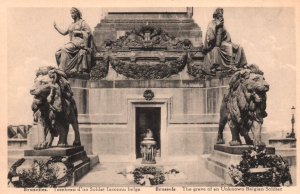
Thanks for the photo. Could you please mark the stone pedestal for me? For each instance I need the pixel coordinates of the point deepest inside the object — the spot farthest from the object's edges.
(224, 156)
(148, 151)
(286, 148)
(76, 155)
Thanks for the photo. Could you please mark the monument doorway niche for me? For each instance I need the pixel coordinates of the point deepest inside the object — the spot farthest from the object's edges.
(145, 115)
(147, 118)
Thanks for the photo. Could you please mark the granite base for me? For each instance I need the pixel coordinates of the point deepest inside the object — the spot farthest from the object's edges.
(76, 155)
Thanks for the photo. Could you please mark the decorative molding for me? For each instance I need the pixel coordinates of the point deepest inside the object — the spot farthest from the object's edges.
(146, 52)
(157, 70)
(148, 95)
(100, 70)
(148, 38)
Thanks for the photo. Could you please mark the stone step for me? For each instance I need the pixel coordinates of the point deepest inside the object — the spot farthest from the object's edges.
(238, 150)
(54, 151)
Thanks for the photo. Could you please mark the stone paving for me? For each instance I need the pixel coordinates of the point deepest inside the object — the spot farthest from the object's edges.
(110, 174)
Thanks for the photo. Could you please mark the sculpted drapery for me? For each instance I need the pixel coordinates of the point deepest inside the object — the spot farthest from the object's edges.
(221, 53)
(75, 55)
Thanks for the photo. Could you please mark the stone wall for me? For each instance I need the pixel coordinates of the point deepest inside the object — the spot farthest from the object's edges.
(190, 110)
(178, 24)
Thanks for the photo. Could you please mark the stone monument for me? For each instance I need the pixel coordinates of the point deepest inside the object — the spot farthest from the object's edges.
(162, 52)
(54, 110)
(145, 70)
(148, 148)
(147, 73)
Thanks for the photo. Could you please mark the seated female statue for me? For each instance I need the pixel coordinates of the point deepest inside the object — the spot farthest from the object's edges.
(75, 55)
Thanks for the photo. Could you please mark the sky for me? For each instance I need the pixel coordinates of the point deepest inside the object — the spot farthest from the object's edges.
(266, 34)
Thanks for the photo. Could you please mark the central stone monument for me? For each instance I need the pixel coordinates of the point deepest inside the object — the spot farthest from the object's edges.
(148, 73)
(148, 148)
(147, 69)
(159, 51)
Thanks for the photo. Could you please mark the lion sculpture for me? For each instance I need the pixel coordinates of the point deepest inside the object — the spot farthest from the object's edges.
(54, 107)
(244, 105)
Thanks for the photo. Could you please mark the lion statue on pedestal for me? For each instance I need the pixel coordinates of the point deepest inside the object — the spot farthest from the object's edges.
(244, 105)
(54, 107)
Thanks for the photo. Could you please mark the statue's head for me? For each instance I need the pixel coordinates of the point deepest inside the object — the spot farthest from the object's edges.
(218, 13)
(75, 13)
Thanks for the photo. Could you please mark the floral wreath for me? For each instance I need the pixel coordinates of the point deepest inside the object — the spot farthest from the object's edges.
(155, 175)
(56, 171)
(259, 169)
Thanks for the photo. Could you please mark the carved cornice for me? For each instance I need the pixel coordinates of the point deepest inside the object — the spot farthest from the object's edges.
(147, 52)
(148, 38)
(154, 21)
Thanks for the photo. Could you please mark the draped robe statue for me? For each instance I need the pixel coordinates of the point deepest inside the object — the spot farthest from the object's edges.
(221, 53)
(75, 55)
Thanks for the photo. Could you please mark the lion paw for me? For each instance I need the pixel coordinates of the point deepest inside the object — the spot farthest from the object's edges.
(259, 143)
(248, 140)
(62, 145)
(235, 143)
(76, 143)
(220, 139)
(42, 145)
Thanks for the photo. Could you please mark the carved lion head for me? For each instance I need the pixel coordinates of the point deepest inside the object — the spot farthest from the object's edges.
(249, 87)
(46, 88)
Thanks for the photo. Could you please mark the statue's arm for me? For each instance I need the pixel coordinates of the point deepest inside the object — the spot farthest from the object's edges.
(227, 36)
(210, 37)
(59, 30)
